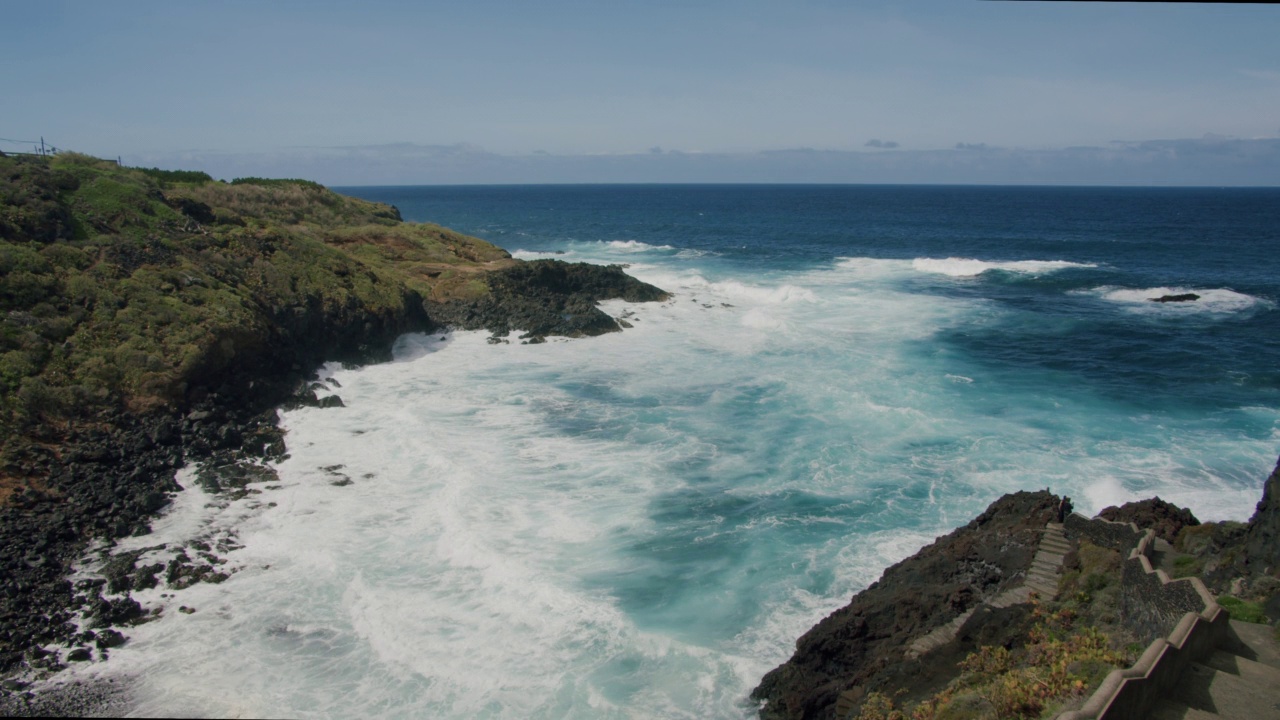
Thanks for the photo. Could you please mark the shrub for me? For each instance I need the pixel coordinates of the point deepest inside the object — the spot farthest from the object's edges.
(1058, 662)
(176, 176)
(1242, 610)
(278, 182)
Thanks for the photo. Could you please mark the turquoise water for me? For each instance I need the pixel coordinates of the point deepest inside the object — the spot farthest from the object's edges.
(641, 524)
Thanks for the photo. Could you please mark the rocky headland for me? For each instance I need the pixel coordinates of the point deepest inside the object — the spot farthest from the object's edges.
(857, 662)
(860, 648)
(151, 320)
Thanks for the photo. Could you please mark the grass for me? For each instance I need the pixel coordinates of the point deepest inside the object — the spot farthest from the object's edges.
(1187, 566)
(1242, 610)
(1073, 644)
(1060, 661)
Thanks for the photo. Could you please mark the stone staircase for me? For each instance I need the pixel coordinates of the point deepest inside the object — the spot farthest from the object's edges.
(1041, 579)
(1241, 679)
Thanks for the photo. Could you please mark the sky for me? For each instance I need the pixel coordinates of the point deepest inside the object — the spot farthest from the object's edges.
(655, 91)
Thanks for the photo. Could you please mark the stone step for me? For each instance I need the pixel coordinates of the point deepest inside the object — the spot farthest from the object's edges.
(1170, 710)
(1253, 641)
(1244, 668)
(1049, 557)
(1048, 568)
(1059, 546)
(1041, 584)
(1016, 596)
(940, 635)
(1230, 696)
(1045, 589)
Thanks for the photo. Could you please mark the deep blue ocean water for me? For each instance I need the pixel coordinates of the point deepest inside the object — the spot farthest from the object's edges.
(641, 524)
(1130, 238)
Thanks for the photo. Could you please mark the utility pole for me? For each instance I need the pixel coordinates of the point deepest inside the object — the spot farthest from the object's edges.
(42, 145)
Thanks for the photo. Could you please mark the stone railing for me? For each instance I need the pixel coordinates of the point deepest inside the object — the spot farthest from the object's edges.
(1150, 602)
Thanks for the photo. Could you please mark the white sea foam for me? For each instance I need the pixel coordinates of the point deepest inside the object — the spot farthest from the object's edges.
(1211, 300)
(967, 267)
(635, 246)
(567, 255)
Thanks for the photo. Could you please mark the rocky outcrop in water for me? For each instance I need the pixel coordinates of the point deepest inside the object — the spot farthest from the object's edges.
(548, 297)
(860, 647)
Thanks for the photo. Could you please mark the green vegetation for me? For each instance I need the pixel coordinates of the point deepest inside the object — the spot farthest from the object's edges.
(1072, 645)
(125, 288)
(1187, 566)
(279, 182)
(1059, 662)
(177, 176)
(1250, 612)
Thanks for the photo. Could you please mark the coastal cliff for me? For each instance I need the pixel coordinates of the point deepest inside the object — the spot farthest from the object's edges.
(153, 319)
(858, 657)
(860, 647)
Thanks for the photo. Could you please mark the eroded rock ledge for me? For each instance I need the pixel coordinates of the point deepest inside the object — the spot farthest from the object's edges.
(861, 645)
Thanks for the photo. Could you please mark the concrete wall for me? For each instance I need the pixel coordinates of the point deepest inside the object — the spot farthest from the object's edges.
(1153, 605)
(1122, 536)
(1150, 603)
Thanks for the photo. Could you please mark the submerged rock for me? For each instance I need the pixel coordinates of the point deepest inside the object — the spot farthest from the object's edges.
(1184, 297)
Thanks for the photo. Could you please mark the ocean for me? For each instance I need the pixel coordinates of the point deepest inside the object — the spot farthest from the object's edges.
(640, 525)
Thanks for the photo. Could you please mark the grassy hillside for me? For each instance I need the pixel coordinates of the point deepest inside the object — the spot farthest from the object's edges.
(141, 290)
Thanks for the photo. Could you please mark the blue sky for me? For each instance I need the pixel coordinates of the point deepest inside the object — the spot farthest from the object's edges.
(350, 92)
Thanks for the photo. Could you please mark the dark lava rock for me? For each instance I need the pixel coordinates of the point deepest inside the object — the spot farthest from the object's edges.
(862, 644)
(1165, 518)
(1184, 297)
(109, 639)
(193, 209)
(548, 297)
(1262, 539)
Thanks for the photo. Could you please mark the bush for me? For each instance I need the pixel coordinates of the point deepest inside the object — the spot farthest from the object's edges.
(1059, 662)
(177, 176)
(278, 182)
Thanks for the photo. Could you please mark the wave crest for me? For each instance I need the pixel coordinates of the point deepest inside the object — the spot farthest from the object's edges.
(634, 246)
(969, 267)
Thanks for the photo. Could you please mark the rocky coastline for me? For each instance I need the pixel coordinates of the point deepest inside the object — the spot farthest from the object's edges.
(862, 644)
(108, 482)
(858, 651)
(99, 467)
(85, 467)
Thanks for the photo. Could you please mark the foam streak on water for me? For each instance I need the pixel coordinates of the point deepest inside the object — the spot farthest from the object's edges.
(640, 525)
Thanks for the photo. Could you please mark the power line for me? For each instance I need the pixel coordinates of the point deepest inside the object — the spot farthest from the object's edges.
(24, 142)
